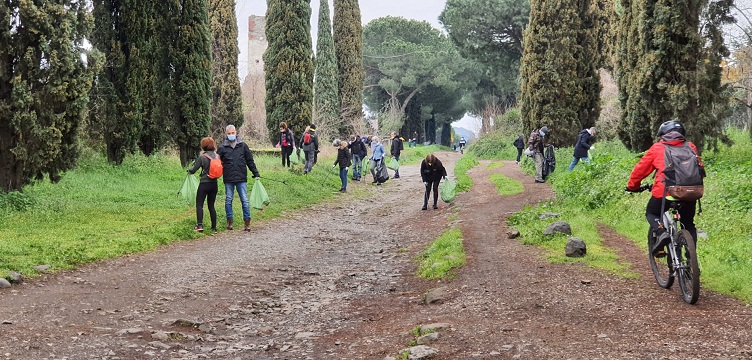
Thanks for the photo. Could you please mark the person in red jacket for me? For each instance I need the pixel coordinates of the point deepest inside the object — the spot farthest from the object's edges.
(671, 133)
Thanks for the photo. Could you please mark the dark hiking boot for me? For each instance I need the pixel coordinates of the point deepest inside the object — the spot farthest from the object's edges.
(424, 207)
(435, 207)
(247, 225)
(229, 224)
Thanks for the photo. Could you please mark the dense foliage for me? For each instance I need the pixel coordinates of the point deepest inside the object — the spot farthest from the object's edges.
(288, 65)
(559, 70)
(226, 105)
(666, 68)
(348, 44)
(325, 94)
(44, 85)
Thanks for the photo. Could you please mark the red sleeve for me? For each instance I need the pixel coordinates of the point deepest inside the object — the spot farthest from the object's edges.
(644, 167)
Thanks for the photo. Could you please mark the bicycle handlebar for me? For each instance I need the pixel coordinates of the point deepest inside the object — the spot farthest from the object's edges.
(642, 188)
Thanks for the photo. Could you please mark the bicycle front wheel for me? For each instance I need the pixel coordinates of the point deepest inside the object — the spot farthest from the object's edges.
(689, 270)
(661, 266)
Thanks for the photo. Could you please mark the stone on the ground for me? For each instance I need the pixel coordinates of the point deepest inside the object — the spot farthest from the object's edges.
(701, 234)
(15, 277)
(425, 329)
(548, 215)
(130, 331)
(187, 323)
(305, 335)
(42, 268)
(159, 345)
(4, 283)
(420, 352)
(575, 247)
(390, 358)
(436, 295)
(558, 227)
(425, 339)
(513, 233)
(160, 335)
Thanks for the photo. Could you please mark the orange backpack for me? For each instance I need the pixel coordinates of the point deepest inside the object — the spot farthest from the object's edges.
(215, 167)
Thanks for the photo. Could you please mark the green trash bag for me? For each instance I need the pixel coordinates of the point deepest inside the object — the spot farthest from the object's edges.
(295, 158)
(366, 166)
(392, 164)
(448, 190)
(259, 198)
(188, 190)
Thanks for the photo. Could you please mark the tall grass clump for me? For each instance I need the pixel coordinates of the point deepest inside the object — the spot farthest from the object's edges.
(465, 163)
(496, 145)
(444, 254)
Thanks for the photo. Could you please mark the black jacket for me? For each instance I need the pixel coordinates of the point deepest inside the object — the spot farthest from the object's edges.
(396, 146)
(583, 144)
(203, 163)
(358, 148)
(290, 138)
(432, 173)
(235, 160)
(520, 142)
(343, 158)
(313, 145)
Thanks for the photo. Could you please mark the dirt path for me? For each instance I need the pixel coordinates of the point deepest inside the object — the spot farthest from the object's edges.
(336, 282)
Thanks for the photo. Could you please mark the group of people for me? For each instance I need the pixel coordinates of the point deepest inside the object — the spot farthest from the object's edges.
(535, 147)
(236, 157)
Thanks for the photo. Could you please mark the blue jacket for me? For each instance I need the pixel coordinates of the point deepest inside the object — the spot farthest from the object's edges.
(378, 151)
(235, 160)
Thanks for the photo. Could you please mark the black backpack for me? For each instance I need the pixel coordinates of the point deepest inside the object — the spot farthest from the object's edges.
(549, 161)
(682, 172)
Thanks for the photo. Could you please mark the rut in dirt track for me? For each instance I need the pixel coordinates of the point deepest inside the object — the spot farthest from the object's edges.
(335, 281)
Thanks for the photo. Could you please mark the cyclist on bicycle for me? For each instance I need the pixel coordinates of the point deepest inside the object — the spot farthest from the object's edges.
(671, 133)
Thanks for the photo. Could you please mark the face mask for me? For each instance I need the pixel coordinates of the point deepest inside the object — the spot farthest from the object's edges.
(543, 135)
(231, 137)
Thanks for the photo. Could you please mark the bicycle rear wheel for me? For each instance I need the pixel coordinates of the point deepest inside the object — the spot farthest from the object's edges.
(689, 271)
(661, 266)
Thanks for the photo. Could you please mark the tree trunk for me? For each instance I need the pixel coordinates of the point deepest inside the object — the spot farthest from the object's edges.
(10, 167)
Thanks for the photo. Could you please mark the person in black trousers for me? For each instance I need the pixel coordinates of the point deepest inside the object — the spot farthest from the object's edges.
(519, 144)
(286, 143)
(207, 188)
(431, 172)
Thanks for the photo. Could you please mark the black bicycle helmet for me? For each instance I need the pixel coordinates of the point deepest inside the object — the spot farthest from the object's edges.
(669, 126)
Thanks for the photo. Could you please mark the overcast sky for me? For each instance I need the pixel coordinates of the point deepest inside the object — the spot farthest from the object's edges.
(427, 10)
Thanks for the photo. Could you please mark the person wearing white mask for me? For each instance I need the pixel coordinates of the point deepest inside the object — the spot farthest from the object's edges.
(236, 156)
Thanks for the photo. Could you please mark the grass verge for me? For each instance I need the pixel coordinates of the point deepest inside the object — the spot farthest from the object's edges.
(444, 254)
(466, 162)
(505, 185)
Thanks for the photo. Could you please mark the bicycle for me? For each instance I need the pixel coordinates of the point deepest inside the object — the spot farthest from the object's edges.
(681, 260)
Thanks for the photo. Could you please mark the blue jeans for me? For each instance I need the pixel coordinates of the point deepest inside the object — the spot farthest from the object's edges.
(242, 194)
(576, 160)
(357, 166)
(343, 177)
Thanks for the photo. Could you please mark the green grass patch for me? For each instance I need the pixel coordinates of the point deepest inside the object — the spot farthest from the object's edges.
(595, 193)
(465, 163)
(495, 145)
(444, 254)
(505, 185)
(495, 165)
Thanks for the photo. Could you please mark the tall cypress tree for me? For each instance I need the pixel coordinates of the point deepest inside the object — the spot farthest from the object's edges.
(44, 86)
(288, 65)
(560, 81)
(348, 43)
(325, 94)
(160, 113)
(226, 106)
(663, 70)
(191, 61)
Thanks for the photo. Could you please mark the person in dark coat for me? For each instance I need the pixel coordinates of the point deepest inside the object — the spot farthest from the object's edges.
(310, 147)
(207, 188)
(535, 143)
(431, 172)
(358, 150)
(236, 157)
(286, 143)
(343, 159)
(519, 144)
(396, 148)
(584, 143)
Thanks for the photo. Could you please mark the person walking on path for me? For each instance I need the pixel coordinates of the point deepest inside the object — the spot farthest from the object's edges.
(582, 146)
(343, 159)
(377, 158)
(310, 144)
(236, 157)
(414, 140)
(397, 146)
(535, 143)
(519, 144)
(431, 172)
(286, 143)
(358, 150)
(207, 188)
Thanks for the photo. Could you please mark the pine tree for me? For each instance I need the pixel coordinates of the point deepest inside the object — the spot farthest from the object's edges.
(44, 86)
(226, 106)
(560, 80)
(288, 66)
(325, 94)
(191, 61)
(348, 43)
(161, 108)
